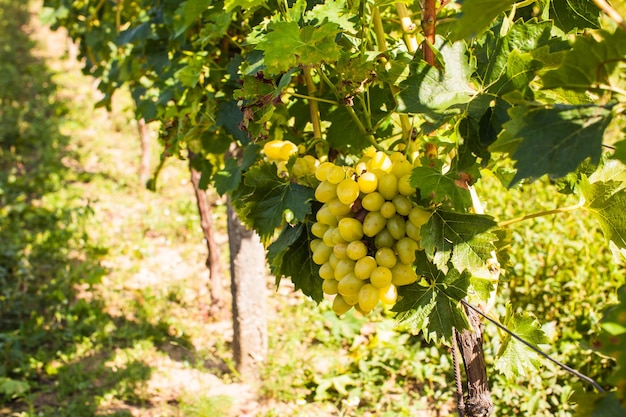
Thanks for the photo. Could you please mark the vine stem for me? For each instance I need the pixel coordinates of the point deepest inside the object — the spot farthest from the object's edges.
(429, 23)
(321, 100)
(313, 107)
(408, 27)
(539, 214)
(611, 12)
(536, 349)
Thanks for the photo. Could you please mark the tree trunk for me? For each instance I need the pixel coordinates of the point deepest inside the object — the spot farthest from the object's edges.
(216, 277)
(248, 287)
(470, 342)
(144, 170)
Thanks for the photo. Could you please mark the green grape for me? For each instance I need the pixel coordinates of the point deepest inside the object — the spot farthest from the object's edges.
(368, 181)
(405, 187)
(337, 239)
(401, 168)
(325, 216)
(396, 226)
(333, 260)
(419, 216)
(329, 286)
(322, 170)
(406, 248)
(372, 201)
(351, 299)
(343, 268)
(314, 244)
(356, 250)
(402, 204)
(325, 192)
(363, 267)
(412, 231)
(381, 277)
(340, 306)
(350, 229)
(300, 168)
(347, 191)
(368, 297)
(388, 295)
(321, 253)
(388, 210)
(386, 257)
(349, 285)
(381, 161)
(388, 186)
(318, 229)
(373, 223)
(327, 271)
(384, 239)
(328, 237)
(338, 209)
(340, 250)
(335, 174)
(403, 274)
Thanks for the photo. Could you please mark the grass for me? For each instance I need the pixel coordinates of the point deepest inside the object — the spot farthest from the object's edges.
(102, 281)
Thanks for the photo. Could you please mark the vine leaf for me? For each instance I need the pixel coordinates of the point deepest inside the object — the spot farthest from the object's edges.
(571, 14)
(228, 178)
(552, 140)
(440, 188)
(594, 59)
(620, 151)
(434, 91)
(465, 240)
(515, 358)
(288, 46)
(271, 198)
(289, 256)
(477, 15)
(434, 308)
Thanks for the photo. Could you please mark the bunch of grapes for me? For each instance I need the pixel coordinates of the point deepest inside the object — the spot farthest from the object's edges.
(367, 231)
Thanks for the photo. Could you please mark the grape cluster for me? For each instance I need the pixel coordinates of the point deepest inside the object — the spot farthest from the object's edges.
(367, 230)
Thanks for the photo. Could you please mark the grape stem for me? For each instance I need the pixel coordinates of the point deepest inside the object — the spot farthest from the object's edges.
(539, 214)
(321, 100)
(535, 348)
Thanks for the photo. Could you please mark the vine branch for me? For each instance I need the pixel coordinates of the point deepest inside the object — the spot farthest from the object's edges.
(611, 12)
(539, 214)
(536, 349)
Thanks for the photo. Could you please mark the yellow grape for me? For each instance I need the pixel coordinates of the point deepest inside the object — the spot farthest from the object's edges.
(325, 192)
(367, 182)
(401, 168)
(388, 186)
(386, 257)
(419, 216)
(338, 209)
(388, 210)
(286, 150)
(384, 239)
(340, 250)
(363, 267)
(312, 162)
(381, 277)
(329, 286)
(388, 295)
(356, 250)
(406, 248)
(337, 239)
(372, 201)
(340, 306)
(381, 161)
(349, 285)
(373, 223)
(328, 237)
(327, 271)
(404, 185)
(412, 231)
(322, 170)
(318, 229)
(403, 274)
(350, 229)
(272, 149)
(368, 297)
(396, 226)
(326, 217)
(402, 204)
(343, 268)
(300, 168)
(321, 253)
(335, 174)
(333, 260)
(396, 156)
(347, 191)
(314, 244)
(351, 299)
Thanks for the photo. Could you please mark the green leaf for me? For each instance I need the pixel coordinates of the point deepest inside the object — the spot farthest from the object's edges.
(289, 256)
(477, 15)
(606, 201)
(594, 404)
(465, 240)
(552, 140)
(515, 358)
(188, 12)
(572, 14)
(271, 197)
(593, 60)
(440, 188)
(344, 136)
(228, 178)
(247, 5)
(13, 388)
(520, 70)
(335, 11)
(434, 308)
(620, 151)
(433, 91)
(288, 46)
